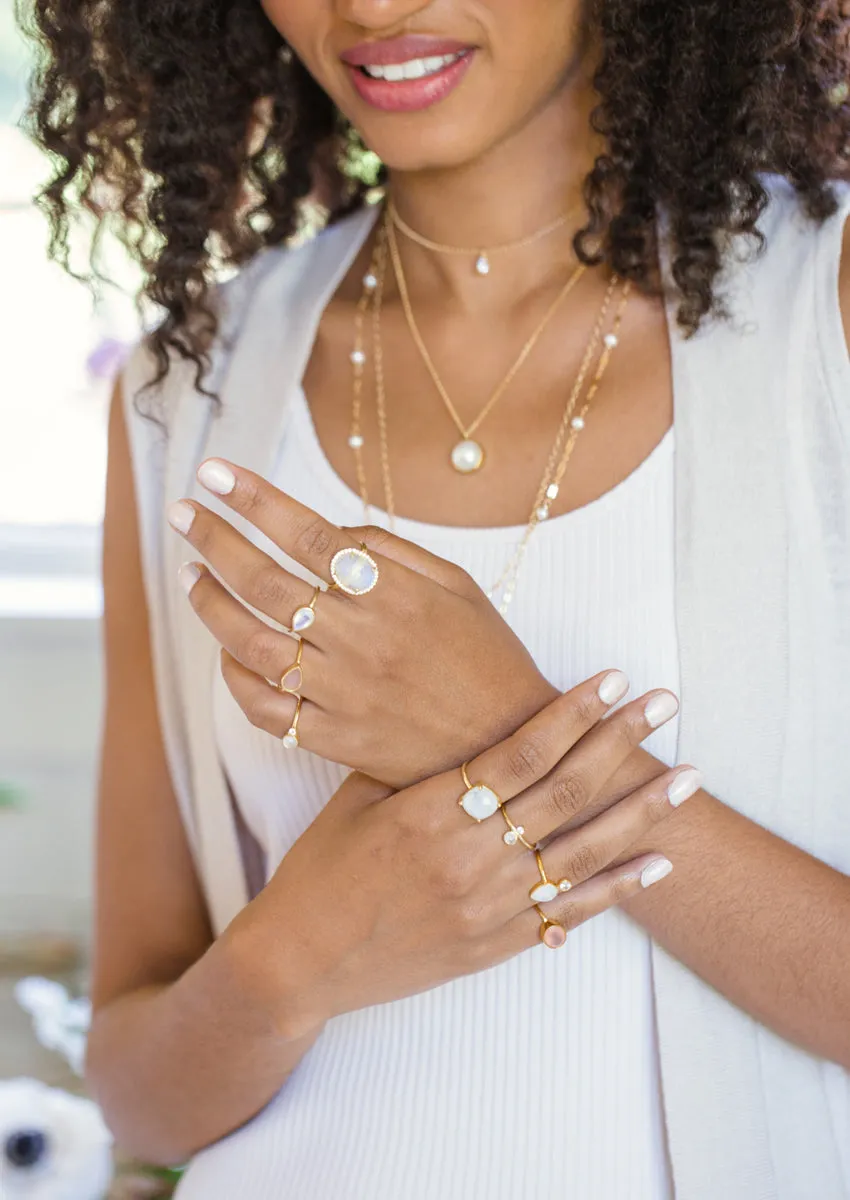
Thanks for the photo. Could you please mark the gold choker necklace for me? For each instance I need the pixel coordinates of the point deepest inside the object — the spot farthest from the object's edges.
(480, 255)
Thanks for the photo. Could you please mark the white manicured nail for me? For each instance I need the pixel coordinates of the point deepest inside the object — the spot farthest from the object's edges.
(214, 475)
(180, 516)
(613, 687)
(661, 708)
(188, 575)
(684, 786)
(658, 869)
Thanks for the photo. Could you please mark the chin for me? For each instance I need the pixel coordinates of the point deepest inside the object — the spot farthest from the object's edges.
(424, 153)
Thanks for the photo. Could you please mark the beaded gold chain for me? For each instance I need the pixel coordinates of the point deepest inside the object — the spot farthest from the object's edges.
(572, 422)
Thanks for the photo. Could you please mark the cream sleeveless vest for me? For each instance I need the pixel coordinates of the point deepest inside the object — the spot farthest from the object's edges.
(762, 418)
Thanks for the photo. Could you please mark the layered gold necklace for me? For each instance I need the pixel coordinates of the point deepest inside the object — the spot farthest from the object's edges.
(601, 345)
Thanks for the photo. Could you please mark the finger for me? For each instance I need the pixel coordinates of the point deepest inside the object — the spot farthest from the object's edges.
(299, 531)
(577, 856)
(266, 707)
(407, 554)
(589, 899)
(528, 755)
(248, 638)
(568, 789)
(250, 572)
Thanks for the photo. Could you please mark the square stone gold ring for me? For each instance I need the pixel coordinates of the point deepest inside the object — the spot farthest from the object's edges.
(480, 802)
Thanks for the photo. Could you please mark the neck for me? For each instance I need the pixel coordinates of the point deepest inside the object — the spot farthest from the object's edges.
(515, 189)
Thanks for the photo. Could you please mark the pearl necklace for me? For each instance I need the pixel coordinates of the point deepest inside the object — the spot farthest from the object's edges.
(572, 422)
(481, 257)
(467, 455)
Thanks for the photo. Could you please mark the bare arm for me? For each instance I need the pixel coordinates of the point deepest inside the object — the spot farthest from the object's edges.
(180, 1051)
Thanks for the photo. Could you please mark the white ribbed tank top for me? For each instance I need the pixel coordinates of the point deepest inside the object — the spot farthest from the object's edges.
(538, 1077)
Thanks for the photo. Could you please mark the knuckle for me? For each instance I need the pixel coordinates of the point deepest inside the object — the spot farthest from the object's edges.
(374, 536)
(622, 886)
(250, 496)
(269, 587)
(259, 649)
(255, 707)
(314, 539)
(585, 860)
(569, 793)
(452, 880)
(587, 708)
(527, 757)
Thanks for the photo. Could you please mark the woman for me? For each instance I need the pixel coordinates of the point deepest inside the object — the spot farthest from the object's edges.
(443, 528)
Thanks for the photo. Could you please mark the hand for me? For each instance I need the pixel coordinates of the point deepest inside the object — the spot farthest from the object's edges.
(386, 895)
(414, 677)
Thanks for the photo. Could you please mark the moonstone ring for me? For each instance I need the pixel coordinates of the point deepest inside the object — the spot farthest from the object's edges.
(478, 801)
(354, 571)
(304, 617)
(546, 889)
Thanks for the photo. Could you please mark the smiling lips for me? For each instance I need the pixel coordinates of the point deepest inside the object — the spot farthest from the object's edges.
(409, 73)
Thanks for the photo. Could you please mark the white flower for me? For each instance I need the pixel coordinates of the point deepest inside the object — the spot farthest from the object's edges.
(53, 1146)
(60, 1023)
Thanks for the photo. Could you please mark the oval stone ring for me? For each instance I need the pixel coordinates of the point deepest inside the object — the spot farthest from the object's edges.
(354, 571)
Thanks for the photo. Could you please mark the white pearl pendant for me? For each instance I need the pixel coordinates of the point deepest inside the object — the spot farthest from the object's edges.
(482, 264)
(467, 456)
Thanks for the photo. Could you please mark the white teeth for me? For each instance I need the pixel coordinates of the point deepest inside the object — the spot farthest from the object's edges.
(416, 68)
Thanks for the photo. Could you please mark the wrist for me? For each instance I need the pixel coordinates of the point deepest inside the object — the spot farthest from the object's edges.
(277, 978)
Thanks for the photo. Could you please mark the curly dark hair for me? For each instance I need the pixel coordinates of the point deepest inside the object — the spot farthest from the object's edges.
(150, 107)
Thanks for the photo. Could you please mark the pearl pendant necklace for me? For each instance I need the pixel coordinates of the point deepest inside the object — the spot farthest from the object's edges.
(467, 456)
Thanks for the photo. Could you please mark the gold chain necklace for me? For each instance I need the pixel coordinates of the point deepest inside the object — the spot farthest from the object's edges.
(480, 255)
(467, 455)
(571, 424)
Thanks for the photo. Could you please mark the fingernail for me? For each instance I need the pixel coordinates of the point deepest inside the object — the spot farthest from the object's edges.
(213, 474)
(684, 786)
(613, 687)
(180, 516)
(661, 708)
(653, 872)
(188, 575)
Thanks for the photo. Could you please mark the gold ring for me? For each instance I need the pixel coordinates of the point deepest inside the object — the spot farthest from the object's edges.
(354, 570)
(304, 616)
(478, 801)
(292, 679)
(513, 833)
(552, 933)
(290, 738)
(546, 889)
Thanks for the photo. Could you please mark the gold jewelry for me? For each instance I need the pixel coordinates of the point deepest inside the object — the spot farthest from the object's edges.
(572, 424)
(292, 679)
(502, 591)
(513, 833)
(546, 889)
(290, 738)
(354, 570)
(552, 933)
(478, 801)
(304, 617)
(467, 455)
(480, 255)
